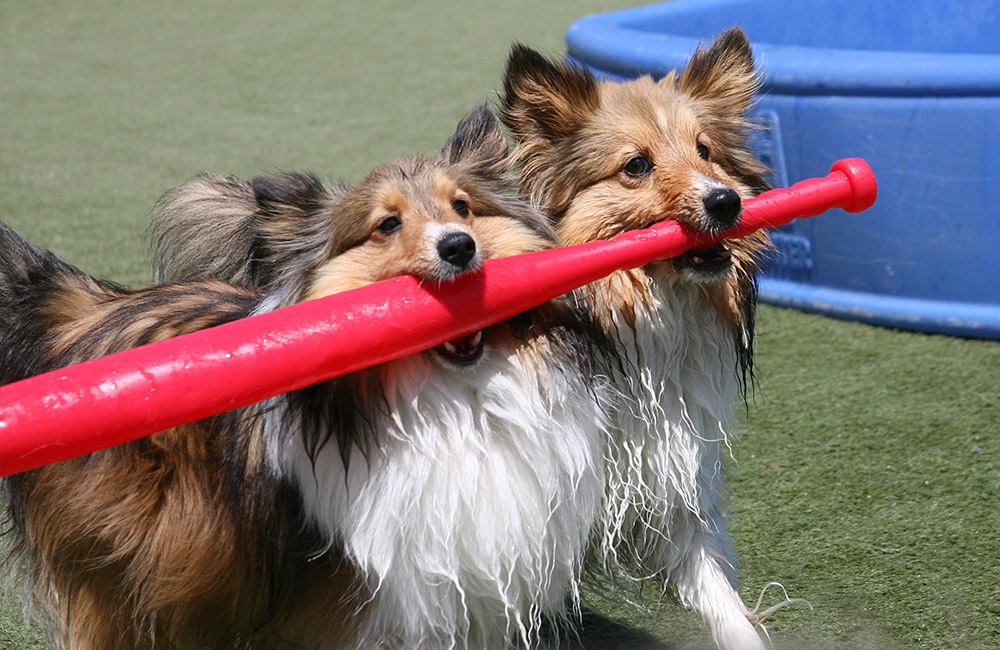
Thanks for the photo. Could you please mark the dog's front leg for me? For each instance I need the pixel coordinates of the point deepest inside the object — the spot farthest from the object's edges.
(703, 585)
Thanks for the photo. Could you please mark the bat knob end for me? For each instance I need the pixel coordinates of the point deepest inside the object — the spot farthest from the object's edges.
(864, 188)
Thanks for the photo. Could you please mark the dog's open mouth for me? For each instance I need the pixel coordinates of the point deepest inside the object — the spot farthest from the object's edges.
(463, 351)
(707, 263)
(714, 260)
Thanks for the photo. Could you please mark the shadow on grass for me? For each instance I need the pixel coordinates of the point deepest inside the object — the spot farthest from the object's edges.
(598, 632)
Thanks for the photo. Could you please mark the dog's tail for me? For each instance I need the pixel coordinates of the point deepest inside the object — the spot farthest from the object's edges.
(205, 229)
(257, 235)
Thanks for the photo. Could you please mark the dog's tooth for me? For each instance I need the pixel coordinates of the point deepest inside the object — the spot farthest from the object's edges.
(478, 338)
(450, 347)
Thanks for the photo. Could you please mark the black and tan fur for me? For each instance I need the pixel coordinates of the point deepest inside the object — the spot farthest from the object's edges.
(155, 543)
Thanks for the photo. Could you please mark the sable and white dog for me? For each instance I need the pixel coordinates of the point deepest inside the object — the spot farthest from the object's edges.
(440, 501)
(602, 158)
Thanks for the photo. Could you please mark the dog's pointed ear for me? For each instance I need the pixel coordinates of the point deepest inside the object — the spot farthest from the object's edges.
(478, 139)
(723, 79)
(292, 226)
(723, 74)
(545, 99)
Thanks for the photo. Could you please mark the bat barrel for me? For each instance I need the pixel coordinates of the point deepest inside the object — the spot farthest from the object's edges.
(111, 400)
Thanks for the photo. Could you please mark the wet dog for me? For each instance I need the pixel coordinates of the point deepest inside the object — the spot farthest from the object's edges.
(602, 158)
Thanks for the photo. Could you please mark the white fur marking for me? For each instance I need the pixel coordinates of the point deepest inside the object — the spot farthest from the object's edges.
(471, 516)
(664, 513)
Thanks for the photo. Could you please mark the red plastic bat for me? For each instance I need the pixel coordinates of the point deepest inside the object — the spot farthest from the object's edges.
(122, 397)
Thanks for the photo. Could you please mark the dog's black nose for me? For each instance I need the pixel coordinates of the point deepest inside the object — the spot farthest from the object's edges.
(722, 205)
(457, 248)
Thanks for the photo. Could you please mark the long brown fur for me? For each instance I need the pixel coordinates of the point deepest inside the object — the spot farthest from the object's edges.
(157, 543)
(575, 133)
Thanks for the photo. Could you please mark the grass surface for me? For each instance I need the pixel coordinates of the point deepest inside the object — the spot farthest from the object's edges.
(867, 478)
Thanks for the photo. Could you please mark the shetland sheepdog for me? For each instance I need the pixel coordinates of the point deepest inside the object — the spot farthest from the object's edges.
(601, 158)
(443, 500)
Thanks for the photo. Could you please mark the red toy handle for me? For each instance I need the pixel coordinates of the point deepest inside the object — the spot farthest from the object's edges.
(122, 397)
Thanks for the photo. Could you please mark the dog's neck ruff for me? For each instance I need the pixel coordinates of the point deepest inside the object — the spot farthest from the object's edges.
(675, 412)
(469, 515)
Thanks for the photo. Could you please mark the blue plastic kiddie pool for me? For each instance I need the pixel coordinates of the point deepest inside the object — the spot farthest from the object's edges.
(912, 86)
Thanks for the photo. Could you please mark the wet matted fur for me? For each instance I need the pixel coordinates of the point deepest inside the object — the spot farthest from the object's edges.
(444, 500)
(601, 158)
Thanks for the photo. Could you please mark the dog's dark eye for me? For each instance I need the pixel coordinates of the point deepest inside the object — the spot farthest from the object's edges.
(703, 151)
(460, 207)
(390, 225)
(638, 166)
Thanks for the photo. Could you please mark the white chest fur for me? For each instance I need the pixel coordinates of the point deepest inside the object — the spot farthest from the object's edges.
(471, 514)
(677, 390)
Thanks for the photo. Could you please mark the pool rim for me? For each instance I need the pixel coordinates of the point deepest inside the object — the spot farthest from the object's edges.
(609, 42)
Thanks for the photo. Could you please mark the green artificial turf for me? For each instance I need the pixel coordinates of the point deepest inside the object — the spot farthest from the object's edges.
(867, 477)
